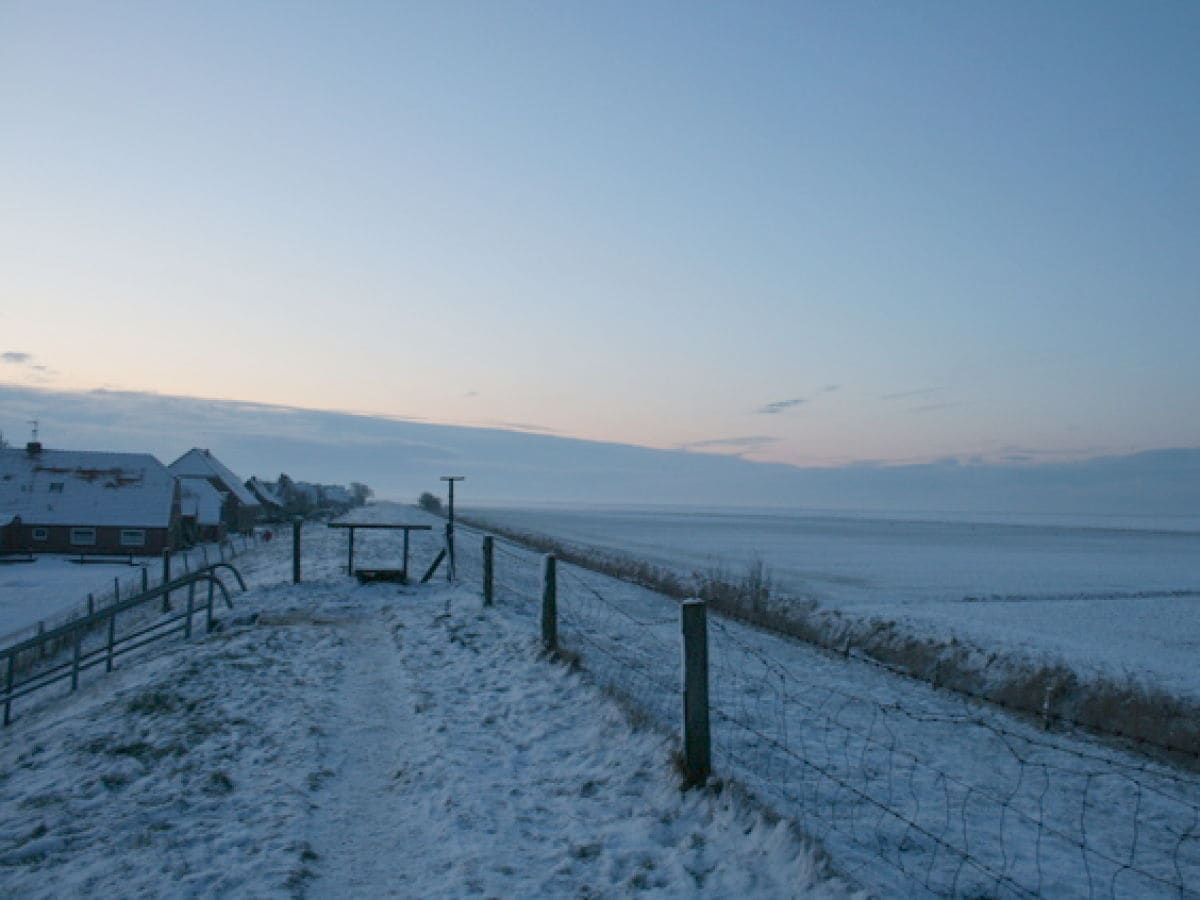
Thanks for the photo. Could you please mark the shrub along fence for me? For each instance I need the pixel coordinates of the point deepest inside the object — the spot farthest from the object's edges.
(913, 790)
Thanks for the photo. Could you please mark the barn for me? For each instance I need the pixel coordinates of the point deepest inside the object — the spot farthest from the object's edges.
(84, 501)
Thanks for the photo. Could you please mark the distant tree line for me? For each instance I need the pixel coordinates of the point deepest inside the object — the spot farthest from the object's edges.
(311, 500)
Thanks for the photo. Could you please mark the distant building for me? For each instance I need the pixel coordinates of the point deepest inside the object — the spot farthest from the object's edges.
(82, 501)
(201, 510)
(273, 505)
(240, 508)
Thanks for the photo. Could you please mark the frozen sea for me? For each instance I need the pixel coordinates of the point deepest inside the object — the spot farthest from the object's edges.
(1112, 596)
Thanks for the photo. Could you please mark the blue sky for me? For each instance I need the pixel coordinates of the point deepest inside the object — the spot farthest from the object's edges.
(803, 233)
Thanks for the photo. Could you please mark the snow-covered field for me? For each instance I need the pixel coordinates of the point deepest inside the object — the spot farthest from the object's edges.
(338, 740)
(53, 587)
(1118, 598)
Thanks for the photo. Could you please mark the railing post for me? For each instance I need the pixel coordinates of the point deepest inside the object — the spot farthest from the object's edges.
(296, 549)
(75, 659)
(116, 590)
(208, 619)
(204, 553)
(41, 644)
(166, 604)
(549, 603)
(697, 748)
(191, 606)
(91, 607)
(12, 679)
(488, 572)
(112, 639)
(145, 579)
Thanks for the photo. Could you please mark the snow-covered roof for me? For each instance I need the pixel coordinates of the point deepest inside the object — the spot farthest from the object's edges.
(85, 487)
(336, 493)
(202, 464)
(265, 493)
(200, 500)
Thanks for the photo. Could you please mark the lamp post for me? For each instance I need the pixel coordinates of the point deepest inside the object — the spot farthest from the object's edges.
(450, 525)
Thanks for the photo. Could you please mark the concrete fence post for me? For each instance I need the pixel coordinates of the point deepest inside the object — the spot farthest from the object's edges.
(697, 747)
(488, 571)
(296, 522)
(550, 602)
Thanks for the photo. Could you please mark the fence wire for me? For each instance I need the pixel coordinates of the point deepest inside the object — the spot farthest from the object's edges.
(912, 790)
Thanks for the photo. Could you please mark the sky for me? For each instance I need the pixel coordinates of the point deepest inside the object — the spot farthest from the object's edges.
(807, 233)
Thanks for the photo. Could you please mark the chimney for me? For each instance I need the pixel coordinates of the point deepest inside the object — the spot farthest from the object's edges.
(33, 448)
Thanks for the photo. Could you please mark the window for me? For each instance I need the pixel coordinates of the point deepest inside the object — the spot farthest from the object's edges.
(133, 537)
(41, 534)
(83, 537)
(56, 487)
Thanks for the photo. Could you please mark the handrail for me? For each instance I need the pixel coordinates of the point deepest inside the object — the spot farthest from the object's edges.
(75, 630)
(99, 615)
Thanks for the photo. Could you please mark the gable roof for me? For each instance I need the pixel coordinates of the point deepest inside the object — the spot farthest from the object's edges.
(201, 463)
(265, 493)
(85, 487)
(199, 499)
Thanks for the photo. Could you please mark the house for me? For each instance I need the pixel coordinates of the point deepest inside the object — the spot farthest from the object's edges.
(272, 504)
(201, 510)
(83, 501)
(240, 508)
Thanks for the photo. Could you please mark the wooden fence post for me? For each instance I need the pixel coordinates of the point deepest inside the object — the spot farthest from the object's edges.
(488, 572)
(697, 748)
(549, 603)
(166, 604)
(296, 549)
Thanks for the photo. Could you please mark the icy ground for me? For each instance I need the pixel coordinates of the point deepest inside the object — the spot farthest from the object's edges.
(337, 740)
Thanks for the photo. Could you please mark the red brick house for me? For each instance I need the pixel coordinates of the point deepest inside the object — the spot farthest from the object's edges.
(83, 501)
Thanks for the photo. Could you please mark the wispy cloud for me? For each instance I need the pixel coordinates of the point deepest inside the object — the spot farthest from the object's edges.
(907, 395)
(16, 357)
(778, 406)
(733, 446)
(932, 407)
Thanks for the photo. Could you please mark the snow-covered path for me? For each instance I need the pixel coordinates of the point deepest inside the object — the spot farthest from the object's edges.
(336, 740)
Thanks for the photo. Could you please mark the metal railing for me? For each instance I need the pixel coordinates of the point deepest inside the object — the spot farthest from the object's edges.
(93, 640)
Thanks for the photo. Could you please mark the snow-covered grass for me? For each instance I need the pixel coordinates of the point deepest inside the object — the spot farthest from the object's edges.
(338, 740)
(1092, 623)
(913, 790)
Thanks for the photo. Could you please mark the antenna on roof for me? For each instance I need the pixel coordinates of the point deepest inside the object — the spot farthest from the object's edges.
(34, 423)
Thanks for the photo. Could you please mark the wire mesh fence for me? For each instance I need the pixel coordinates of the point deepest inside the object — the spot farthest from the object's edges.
(912, 790)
